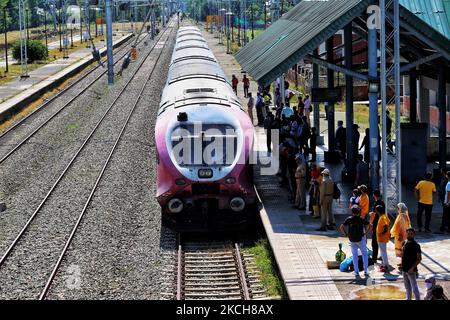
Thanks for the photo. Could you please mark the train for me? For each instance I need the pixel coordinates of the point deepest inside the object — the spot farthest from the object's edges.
(204, 142)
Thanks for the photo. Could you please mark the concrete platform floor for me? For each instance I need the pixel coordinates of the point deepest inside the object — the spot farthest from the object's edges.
(301, 251)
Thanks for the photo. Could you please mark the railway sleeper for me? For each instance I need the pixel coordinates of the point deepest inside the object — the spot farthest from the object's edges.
(211, 289)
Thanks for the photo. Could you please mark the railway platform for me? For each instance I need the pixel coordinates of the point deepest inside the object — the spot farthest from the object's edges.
(19, 93)
(302, 253)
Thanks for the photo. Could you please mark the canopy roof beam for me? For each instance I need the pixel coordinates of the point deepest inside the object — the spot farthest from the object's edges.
(337, 68)
(416, 63)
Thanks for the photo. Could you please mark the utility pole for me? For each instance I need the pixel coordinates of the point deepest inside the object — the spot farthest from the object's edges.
(45, 29)
(391, 63)
(59, 26)
(23, 42)
(109, 42)
(265, 15)
(64, 26)
(229, 27)
(245, 22)
(27, 23)
(81, 24)
(252, 17)
(6, 38)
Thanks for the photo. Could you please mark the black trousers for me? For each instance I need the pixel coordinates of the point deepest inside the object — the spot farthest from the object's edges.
(421, 208)
(445, 224)
(259, 115)
(269, 140)
(374, 248)
(245, 91)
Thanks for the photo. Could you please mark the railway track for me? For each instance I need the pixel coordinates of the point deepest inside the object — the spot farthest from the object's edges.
(20, 128)
(32, 235)
(216, 271)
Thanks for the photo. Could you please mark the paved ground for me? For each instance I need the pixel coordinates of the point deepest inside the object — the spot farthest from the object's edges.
(302, 252)
(14, 87)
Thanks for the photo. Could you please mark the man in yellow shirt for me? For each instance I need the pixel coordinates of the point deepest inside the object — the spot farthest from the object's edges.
(424, 194)
(383, 235)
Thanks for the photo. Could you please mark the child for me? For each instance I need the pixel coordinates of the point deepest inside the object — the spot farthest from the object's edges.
(354, 199)
(383, 235)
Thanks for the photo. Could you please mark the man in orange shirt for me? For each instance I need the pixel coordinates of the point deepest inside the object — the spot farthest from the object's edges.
(424, 194)
(383, 235)
(363, 201)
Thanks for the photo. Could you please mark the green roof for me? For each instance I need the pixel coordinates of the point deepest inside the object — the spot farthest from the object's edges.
(307, 25)
(435, 13)
(296, 34)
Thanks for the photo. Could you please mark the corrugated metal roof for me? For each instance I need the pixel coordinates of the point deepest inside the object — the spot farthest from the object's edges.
(296, 34)
(436, 13)
(310, 23)
(424, 32)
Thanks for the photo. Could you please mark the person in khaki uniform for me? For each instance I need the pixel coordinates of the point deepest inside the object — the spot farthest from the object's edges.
(326, 200)
(300, 179)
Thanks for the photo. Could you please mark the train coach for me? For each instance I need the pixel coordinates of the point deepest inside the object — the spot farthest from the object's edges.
(204, 142)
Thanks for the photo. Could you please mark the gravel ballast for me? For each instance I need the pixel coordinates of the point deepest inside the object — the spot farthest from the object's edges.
(115, 253)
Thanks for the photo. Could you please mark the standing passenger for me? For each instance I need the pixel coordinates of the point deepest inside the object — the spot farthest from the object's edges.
(300, 178)
(382, 232)
(234, 83)
(250, 105)
(398, 230)
(424, 194)
(326, 190)
(364, 201)
(308, 109)
(411, 257)
(356, 231)
(246, 82)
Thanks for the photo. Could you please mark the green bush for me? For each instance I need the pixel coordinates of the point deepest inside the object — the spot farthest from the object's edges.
(36, 50)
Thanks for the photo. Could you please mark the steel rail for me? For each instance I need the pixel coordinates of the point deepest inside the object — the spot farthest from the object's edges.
(179, 268)
(242, 275)
(82, 213)
(79, 94)
(28, 223)
(61, 92)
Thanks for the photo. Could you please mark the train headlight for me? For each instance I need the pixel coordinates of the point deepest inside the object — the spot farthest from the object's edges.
(175, 205)
(237, 204)
(205, 173)
(230, 180)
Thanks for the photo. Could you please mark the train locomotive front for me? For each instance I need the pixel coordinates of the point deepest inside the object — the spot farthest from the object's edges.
(204, 142)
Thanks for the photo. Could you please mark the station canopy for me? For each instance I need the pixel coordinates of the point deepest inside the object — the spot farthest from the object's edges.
(310, 23)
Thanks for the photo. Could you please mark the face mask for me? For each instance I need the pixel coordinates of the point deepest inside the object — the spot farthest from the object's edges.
(428, 285)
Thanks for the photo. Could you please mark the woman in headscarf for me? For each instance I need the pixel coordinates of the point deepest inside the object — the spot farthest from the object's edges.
(401, 224)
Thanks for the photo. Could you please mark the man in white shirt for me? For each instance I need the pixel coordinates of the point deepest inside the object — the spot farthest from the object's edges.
(307, 103)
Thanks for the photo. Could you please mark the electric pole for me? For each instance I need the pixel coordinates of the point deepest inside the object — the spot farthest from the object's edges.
(109, 42)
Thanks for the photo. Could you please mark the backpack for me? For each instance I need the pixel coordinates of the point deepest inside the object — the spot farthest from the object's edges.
(336, 191)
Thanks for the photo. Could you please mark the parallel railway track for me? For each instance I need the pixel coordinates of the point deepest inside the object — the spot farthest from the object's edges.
(8, 257)
(19, 125)
(216, 271)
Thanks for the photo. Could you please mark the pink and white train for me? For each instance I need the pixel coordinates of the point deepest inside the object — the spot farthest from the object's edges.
(204, 139)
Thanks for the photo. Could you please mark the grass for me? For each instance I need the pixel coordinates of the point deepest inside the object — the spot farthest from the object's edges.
(266, 265)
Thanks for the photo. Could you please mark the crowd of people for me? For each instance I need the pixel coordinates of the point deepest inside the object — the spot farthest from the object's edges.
(302, 176)
(298, 170)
